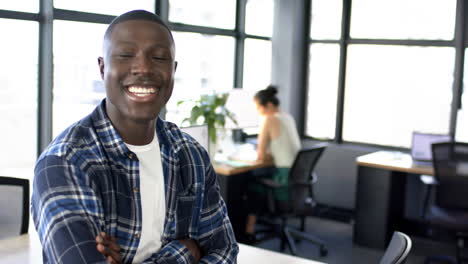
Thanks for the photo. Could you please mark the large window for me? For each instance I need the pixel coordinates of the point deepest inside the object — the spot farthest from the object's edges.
(205, 65)
(323, 90)
(77, 83)
(392, 74)
(402, 19)
(109, 7)
(326, 19)
(18, 100)
(215, 40)
(258, 48)
(207, 43)
(207, 13)
(23, 5)
(257, 64)
(394, 90)
(324, 62)
(259, 17)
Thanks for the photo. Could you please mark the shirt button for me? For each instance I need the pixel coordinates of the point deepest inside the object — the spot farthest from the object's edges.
(137, 235)
(135, 189)
(131, 155)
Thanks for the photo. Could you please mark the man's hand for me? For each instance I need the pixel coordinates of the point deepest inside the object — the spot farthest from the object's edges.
(193, 247)
(108, 246)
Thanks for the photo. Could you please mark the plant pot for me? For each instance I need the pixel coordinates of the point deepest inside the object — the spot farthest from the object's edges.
(217, 146)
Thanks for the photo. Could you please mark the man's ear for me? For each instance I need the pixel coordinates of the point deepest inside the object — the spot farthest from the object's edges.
(101, 66)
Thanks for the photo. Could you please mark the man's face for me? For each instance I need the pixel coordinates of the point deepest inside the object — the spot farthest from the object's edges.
(138, 70)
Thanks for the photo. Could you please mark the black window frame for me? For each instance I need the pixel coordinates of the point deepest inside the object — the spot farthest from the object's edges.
(459, 42)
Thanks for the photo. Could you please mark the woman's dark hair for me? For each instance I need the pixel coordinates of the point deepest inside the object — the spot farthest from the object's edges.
(268, 95)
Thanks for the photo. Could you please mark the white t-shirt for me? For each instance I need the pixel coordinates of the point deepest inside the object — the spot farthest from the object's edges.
(153, 200)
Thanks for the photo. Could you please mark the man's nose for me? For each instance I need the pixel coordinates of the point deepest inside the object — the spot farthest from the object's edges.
(141, 64)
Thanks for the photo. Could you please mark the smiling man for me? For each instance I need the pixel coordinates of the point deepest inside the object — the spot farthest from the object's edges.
(122, 185)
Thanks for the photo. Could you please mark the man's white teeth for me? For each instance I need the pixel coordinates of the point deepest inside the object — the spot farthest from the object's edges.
(141, 91)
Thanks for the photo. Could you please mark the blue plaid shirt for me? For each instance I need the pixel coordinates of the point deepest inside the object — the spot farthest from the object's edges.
(87, 181)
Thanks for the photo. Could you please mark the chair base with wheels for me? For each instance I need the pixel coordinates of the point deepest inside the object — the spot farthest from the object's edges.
(289, 236)
(297, 201)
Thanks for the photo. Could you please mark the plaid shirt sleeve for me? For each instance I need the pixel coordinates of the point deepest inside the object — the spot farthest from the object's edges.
(217, 238)
(66, 213)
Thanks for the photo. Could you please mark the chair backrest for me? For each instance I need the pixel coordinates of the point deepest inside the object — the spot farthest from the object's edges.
(450, 160)
(14, 206)
(300, 176)
(397, 250)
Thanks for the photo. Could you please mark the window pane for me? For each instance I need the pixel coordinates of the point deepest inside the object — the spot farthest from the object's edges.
(394, 90)
(22, 5)
(326, 19)
(18, 100)
(109, 7)
(205, 64)
(323, 90)
(402, 19)
(208, 13)
(461, 134)
(257, 64)
(259, 17)
(77, 83)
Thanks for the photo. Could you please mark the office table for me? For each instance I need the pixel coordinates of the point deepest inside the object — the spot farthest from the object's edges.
(233, 182)
(254, 255)
(26, 249)
(380, 196)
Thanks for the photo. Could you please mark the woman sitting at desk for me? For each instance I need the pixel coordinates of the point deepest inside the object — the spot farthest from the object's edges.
(278, 141)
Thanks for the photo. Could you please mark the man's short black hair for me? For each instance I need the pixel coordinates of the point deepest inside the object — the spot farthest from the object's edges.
(136, 15)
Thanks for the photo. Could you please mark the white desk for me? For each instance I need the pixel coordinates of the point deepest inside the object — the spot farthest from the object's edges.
(253, 255)
(21, 249)
(26, 249)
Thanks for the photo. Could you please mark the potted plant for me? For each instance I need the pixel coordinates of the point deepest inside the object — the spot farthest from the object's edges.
(210, 109)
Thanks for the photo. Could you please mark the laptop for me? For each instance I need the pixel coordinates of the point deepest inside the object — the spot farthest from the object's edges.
(421, 151)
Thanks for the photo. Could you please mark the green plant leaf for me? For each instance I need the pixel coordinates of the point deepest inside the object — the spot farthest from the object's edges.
(212, 107)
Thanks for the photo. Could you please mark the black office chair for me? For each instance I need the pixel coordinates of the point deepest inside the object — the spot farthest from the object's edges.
(299, 205)
(14, 206)
(397, 250)
(446, 202)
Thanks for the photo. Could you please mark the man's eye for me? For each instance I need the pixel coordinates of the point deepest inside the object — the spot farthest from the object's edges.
(159, 58)
(125, 55)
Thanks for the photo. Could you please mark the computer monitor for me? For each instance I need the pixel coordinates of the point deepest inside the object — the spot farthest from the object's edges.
(240, 103)
(421, 150)
(200, 134)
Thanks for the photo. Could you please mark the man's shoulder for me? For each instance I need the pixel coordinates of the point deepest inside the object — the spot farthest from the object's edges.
(184, 144)
(78, 139)
(179, 138)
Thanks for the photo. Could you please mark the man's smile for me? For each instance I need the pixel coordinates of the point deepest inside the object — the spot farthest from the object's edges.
(142, 93)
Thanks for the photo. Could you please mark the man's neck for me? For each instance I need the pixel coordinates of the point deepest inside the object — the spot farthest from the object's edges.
(136, 133)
